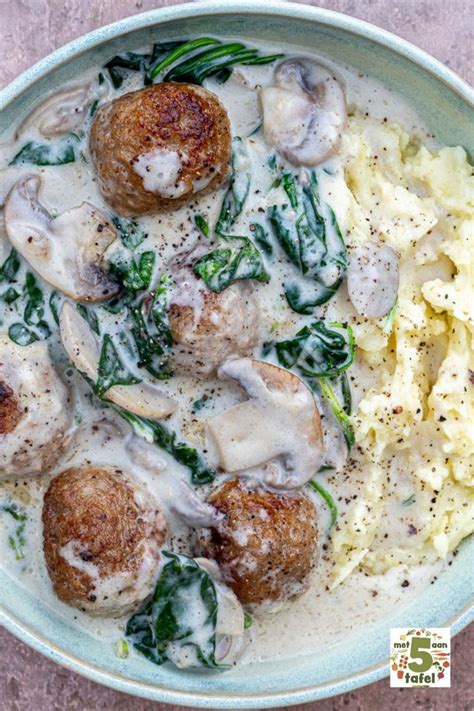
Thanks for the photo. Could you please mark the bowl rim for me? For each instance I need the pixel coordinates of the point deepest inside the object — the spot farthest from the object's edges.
(73, 50)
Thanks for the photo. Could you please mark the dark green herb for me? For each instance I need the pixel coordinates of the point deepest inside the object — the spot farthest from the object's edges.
(327, 391)
(134, 274)
(317, 351)
(10, 295)
(202, 225)
(21, 335)
(224, 265)
(55, 300)
(308, 233)
(90, 316)
(156, 433)
(160, 630)
(16, 541)
(411, 500)
(199, 404)
(111, 370)
(37, 153)
(131, 234)
(261, 238)
(10, 267)
(238, 190)
(327, 498)
(36, 327)
(248, 620)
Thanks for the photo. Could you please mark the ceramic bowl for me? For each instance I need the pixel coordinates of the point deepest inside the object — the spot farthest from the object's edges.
(445, 103)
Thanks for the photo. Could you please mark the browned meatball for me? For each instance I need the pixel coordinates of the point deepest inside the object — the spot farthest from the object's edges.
(265, 544)
(208, 327)
(102, 537)
(10, 413)
(156, 148)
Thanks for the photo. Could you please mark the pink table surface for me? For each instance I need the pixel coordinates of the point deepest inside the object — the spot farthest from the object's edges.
(30, 29)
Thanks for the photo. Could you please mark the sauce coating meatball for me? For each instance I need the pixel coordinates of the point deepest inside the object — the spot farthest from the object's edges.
(34, 410)
(101, 537)
(156, 148)
(265, 545)
(207, 327)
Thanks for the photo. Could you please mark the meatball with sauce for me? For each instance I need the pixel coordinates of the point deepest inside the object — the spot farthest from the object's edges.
(34, 410)
(265, 543)
(207, 327)
(157, 148)
(102, 536)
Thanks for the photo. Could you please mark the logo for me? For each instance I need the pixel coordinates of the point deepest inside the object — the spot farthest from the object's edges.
(420, 657)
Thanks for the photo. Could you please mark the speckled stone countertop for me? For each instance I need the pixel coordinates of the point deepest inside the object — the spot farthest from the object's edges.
(30, 29)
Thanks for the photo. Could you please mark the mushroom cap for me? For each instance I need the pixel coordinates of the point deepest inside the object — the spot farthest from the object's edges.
(34, 410)
(157, 148)
(265, 543)
(67, 251)
(279, 425)
(373, 278)
(82, 347)
(305, 113)
(102, 535)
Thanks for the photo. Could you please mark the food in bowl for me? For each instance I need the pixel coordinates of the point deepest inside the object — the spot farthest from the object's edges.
(236, 365)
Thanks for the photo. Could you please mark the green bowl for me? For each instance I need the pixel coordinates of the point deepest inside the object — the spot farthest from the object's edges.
(445, 103)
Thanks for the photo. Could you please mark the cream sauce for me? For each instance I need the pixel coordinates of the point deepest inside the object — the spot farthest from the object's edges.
(321, 617)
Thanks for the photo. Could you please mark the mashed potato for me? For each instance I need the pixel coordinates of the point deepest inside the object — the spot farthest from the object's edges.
(415, 428)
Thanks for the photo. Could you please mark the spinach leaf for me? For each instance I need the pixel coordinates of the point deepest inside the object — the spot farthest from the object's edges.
(55, 300)
(202, 225)
(224, 265)
(261, 238)
(111, 370)
(321, 355)
(318, 351)
(90, 316)
(53, 153)
(10, 295)
(10, 267)
(16, 540)
(180, 617)
(238, 190)
(326, 496)
(36, 328)
(308, 233)
(151, 331)
(134, 274)
(156, 433)
(131, 234)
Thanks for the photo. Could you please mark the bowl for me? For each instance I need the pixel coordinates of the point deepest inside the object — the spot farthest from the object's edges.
(445, 103)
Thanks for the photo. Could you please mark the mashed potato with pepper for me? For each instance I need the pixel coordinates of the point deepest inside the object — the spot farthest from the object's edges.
(418, 420)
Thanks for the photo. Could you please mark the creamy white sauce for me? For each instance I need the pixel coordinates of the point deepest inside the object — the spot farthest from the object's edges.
(321, 617)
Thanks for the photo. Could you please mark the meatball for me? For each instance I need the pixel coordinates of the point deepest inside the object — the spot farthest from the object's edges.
(208, 327)
(34, 410)
(156, 148)
(265, 544)
(101, 537)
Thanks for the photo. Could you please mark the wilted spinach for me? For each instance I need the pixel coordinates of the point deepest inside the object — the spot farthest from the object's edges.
(10, 267)
(224, 265)
(111, 369)
(16, 540)
(322, 355)
(238, 190)
(53, 153)
(180, 618)
(308, 233)
(156, 433)
(35, 326)
(131, 234)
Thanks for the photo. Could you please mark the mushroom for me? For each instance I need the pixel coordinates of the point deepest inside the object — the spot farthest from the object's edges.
(372, 279)
(67, 251)
(305, 113)
(191, 509)
(64, 111)
(279, 425)
(82, 347)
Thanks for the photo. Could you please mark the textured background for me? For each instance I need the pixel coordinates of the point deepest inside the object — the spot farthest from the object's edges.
(30, 29)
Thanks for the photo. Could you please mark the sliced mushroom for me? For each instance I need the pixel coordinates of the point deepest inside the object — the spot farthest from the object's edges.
(191, 509)
(83, 349)
(305, 113)
(278, 426)
(373, 278)
(67, 250)
(64, 111)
